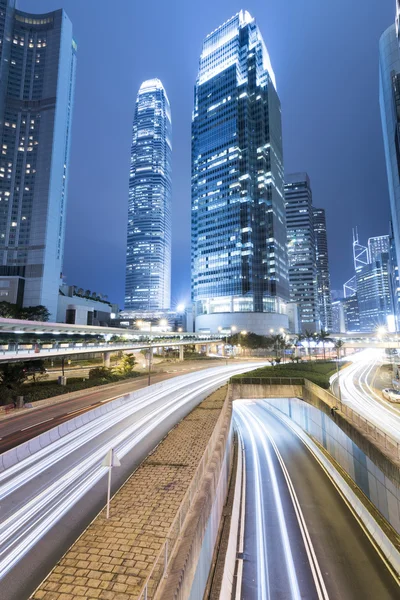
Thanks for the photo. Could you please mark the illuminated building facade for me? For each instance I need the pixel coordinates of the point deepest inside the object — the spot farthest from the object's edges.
(374, 294)
(148, 255)
(323, 276)
(302, 250)
(37, 75)
(239, 259)
(377, 245)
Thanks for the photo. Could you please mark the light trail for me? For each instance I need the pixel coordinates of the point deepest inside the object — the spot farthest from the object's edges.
(37, 492)
(254, 428)
(363, 399)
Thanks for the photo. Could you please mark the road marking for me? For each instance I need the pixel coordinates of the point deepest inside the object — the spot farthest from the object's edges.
(386, 562)
(71, 412)
(36, 424)
(109, 399)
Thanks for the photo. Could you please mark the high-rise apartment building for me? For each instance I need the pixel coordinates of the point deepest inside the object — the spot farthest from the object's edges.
(148, 255)
(323, 276)
(302, 249)
(239, 260)
(37, 75)
(377, 245)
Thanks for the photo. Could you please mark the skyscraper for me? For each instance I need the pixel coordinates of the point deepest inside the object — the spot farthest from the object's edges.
(37, 75)
(239, 261)
(389, 100)
(377, 245)
(323, 276)
(374, 294)
(148, 255)
(302, 249)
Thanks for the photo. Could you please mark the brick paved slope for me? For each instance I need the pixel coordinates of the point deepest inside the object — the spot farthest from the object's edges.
(112, 559)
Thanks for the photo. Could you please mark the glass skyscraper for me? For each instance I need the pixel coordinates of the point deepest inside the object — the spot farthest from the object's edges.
(302, 250)
(323, 276)
(239, 260)
(37, 75)
(389, 100)
(148, 255)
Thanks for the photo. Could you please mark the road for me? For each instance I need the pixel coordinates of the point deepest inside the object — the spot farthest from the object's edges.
(22, 427)
(47, 499)
(300, 538)
(358, 393)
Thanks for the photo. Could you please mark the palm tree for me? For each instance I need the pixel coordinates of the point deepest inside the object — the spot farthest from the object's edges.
(323, 337)
(309, 336)
(299, 338)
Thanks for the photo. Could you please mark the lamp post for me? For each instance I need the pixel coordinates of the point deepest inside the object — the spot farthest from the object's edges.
(150, 356)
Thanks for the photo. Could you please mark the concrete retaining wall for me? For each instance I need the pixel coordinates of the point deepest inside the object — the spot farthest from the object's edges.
(374, 472)
(19, 453)
(189, 568)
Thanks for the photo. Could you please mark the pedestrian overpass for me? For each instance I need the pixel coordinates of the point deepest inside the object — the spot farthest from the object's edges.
(29, 340)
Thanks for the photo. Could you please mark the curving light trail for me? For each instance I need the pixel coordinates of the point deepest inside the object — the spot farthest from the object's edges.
(38, 491)
(262, 446)
(363, 399)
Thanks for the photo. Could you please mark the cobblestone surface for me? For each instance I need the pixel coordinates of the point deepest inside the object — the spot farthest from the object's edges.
(112, 559)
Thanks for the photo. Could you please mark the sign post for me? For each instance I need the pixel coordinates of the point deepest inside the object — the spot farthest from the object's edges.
(110, 460)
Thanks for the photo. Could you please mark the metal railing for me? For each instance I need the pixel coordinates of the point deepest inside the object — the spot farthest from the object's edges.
(160, 565)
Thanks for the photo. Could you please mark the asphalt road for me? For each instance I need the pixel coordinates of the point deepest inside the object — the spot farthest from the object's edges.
(323, 554)
(358, 392)
(47, 499)
(22, 427)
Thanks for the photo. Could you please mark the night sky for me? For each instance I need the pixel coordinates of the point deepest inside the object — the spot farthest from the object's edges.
(325, 58)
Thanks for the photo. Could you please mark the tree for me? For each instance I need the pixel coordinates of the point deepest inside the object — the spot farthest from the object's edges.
(100, 373)
(12, 376)
(338, 346)
(323, 337)
(34, 313)
(27, 313)
(126, 365)
(8, 310)
(309, 336)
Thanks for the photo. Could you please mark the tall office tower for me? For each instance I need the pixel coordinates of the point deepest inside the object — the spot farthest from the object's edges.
(389, 100)
(239, 260)
(377, 245)
(323, 276)
(338, 322)
(148, 255)
(36, 97)
(351, 313)
(374, 294)
(302, 249)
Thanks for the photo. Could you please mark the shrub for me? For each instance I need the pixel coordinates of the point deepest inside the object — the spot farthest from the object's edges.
(100, 373)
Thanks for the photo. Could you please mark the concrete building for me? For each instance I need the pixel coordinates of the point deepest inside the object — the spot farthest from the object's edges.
(323, 275)
(239, 259)
(301, 245)
(79, 307)
(37, 75)
(148, 255)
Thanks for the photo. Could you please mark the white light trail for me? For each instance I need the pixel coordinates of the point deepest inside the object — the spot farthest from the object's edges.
(50, 494)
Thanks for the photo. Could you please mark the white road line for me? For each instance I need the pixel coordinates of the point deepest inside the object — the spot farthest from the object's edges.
(315, 568)
(71, 412)
(35, 424)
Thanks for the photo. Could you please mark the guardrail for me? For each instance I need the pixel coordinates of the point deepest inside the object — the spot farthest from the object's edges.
(268, 380)
(160, 566)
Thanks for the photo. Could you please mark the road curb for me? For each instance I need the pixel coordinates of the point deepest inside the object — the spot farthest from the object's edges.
(377, 536)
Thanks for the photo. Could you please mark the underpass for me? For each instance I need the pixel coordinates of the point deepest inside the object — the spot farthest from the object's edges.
(301, 540)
